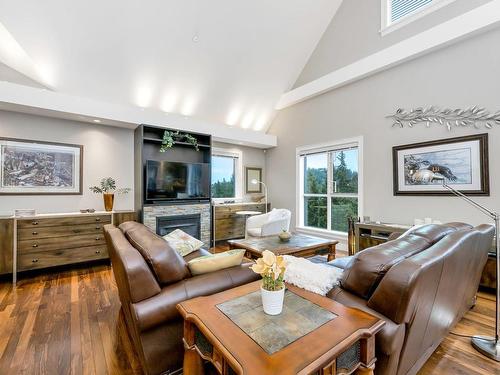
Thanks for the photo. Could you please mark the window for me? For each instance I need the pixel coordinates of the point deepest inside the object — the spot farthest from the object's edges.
(397, 13)
(329, 186)
(223, 176)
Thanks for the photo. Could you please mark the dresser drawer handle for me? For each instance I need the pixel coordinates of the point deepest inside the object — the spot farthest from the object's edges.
(35, 245)
(97, 228)
(34, 222)
(98, 251)
(97, 219)
(34, 233)
(34, 260)
(97, 238)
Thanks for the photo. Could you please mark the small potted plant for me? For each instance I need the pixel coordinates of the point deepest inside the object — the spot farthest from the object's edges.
(272, 269)
(108, 189)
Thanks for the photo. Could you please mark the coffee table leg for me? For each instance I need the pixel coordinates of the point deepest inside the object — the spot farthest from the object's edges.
(193, 364)
(332, 252)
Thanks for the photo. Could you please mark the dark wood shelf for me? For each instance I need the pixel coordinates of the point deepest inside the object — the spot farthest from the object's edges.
(175, 142)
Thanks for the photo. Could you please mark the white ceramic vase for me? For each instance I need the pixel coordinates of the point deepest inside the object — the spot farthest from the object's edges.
(272, 301)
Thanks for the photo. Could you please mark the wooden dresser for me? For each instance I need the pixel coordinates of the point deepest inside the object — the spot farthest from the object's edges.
(227, 224)
(49, 240)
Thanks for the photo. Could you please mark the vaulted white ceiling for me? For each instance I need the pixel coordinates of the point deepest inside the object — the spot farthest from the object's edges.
(224, 61)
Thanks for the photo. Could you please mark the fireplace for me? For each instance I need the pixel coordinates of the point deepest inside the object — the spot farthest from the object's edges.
(189, 224)
(192, 218)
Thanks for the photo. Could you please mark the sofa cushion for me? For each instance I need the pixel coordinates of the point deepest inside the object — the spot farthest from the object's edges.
(215, 262)
(363, 274)
(196, 254)
(165, 263)
(182, 242)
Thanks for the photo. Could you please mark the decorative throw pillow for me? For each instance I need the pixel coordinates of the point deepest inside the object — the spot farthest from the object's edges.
(316, 278)
(182, 242)
(216, 262)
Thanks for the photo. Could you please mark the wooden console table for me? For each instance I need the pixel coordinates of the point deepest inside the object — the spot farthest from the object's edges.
(227, 224)
(343, 344)
(48, 240)
(373, 234)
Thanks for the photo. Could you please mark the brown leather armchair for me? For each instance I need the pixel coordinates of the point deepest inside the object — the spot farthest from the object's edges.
(152, 278)
(421, 285)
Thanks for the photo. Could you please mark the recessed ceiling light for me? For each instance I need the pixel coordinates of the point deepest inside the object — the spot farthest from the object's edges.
(96, 120)
(261, 123)
(188, 106)
(169, 102)
(233, 117)
(196, 38)
(144, 95)
(247, 121)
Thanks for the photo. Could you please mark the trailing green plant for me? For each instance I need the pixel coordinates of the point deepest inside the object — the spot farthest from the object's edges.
(170, 136)
(108, 185)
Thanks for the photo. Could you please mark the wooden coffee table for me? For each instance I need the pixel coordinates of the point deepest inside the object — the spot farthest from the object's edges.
(313, 334)
(299, 245)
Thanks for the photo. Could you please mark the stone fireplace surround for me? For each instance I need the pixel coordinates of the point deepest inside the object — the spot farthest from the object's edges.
(177, 209)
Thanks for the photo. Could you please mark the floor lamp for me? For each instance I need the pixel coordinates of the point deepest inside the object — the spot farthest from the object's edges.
(488, 346)
(255, 182)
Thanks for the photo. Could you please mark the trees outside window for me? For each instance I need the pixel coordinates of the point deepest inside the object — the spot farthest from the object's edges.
(223, 176)
(330, 188)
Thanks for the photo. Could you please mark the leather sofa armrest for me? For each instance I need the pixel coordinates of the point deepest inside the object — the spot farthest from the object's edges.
(161, 308)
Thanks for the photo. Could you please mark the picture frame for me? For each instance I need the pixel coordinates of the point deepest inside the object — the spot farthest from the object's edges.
(29, 167)
(462, 162)
(250, 174)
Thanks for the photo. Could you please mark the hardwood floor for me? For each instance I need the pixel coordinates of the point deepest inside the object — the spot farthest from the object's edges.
(64, 323)
(69, 323)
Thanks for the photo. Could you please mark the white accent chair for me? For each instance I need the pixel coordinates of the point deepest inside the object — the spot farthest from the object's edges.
(268, 224)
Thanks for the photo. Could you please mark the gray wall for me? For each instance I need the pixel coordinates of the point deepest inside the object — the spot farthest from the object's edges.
(107, 151)
(459, 76)
(354, 33)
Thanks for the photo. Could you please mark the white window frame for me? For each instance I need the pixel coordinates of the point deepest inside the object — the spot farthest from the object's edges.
(387, 26)
(299, 208)
(238, 171)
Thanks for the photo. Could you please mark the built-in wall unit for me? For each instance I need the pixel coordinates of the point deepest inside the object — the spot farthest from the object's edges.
(172, 180)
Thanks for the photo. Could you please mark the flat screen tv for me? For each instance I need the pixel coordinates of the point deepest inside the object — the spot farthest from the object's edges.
(166, 180)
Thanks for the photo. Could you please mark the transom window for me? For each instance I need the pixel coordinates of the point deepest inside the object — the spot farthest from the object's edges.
(329, 184)
(397, 13)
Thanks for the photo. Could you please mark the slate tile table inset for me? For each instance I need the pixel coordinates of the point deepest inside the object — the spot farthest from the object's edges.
(300, 245)
(298, 318)
(313, 335)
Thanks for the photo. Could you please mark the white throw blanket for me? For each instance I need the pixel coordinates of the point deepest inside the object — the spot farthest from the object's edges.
(316, 278)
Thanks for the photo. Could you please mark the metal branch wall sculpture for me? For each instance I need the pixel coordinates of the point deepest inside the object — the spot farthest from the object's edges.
(474, 116)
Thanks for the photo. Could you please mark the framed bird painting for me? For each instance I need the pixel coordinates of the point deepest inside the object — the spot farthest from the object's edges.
(462, 162)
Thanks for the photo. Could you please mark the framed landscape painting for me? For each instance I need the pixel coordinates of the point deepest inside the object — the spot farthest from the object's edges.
(35, 167)
(462, 163)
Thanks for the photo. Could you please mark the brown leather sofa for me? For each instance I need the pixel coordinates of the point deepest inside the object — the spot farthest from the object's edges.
(152, 278)
(420, 284)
